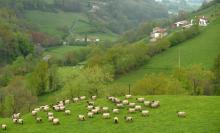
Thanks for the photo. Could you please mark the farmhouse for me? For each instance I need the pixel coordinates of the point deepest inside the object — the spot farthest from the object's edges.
(203, 21)
(181, 23)
(158, 33)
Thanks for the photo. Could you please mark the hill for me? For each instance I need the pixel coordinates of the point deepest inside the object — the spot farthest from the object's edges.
(201, 50)
(202, 116)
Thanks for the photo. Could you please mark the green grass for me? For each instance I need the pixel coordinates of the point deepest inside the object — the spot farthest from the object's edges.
(203, 116)
(59, 52)
(200, 50)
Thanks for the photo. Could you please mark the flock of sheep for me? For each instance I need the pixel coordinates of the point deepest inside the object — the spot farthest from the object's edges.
(92, 110)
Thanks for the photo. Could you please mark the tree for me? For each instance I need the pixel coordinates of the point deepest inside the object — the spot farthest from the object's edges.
(53, 78)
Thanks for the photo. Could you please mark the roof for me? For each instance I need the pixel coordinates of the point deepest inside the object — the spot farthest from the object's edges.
(159, 30)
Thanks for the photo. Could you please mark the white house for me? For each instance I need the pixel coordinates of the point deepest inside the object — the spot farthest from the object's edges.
(203, 21)
(181, 23)
(157, 33)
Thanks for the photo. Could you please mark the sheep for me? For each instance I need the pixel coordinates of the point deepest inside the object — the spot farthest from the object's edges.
(94, 111)
(125, 102)
(128, 118)
(62, 108)
(105, 109)
(46, 108)
(67, 101)
(67, 112)
(98, 108)
(90, 103)
(131, 104)
(75, 100)
(16, 116)
(56, 121)
(116, 111)
(145, 113)
(15, 121)
(4, 126)
(90, 107)
(116, 100)
(34, 113)
(82, 97)
(50, 114)
(155, 104)
(37, 109)
(106, 115)
(120, 105)
(116, 120)
(90, 114)
(138, 108)
(147, 103)
(56, 108)
(81, 117)
(181, 114)
(131, 110)
(141, 100)
(93, 97)
(39, 120)
(110, 98)
(20, 121)
(50, 118)
(128, 96)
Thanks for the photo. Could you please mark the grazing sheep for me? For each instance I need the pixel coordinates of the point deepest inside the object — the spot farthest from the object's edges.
(141, 100)
(116, 100)
(4, 126)
(34, 113)
(128, 96)
(46, 108)
(81, 117)
(131, 104)
(155, 104)
(15, 121)
(111, 98)
(94, 97)
(56, 108)
(50, 118)
(62, 108)
(16, 116)
(131, 110)
(90, 114)
(67, 112)
(50, 114)
(138, 108)
(120, 105)
(145, 113)
(90, 103)
(104, 109)
(128, 118)
(90, 107)
(82, 97)
(116, 120)
(181, 114)
(20, 121)
(75, 100)
(37, 109)
(106, 115)
(67, 101)
(56, 121)
(125, 102)
(39, 120)
(116, 111)
(147, 103)
(94, 111)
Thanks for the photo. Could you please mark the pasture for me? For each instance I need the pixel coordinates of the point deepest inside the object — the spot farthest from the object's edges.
(203, 116)
(202, 49)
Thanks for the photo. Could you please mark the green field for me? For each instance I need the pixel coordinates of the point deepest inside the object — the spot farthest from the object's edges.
(203, 116)
(200, 50)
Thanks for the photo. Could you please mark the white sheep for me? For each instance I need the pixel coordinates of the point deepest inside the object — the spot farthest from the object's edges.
(94, 111)
(131, 104)
(38, 119)
(128, 118)
(105, 109)
(90, 114)
(120, 105)
(147, 103)
(56, 108)
(106, 115)
(46, 108)
(125, 102)
(56, 121)
(67, 112)
(141, 99)
(50, 118)
(75, 100)
(145, 113)
(93, 97)
(81, 117)
(67, 101)
(62, 108)
(155, 104)
(4, 126)
(116, 111)
(128, 96)
(16, 116)
(116, 100)
(116, 120)
(90, 103)
(131, 110)
(181, 114)
(34, 113)
(138, 108)
(90, 107)
(82, 97)
(15, 121)
(50, 114)
(37, 109)
(20, 121)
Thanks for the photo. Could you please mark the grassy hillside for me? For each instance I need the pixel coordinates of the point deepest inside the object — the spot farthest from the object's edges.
(200, 50)
(203, 115)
